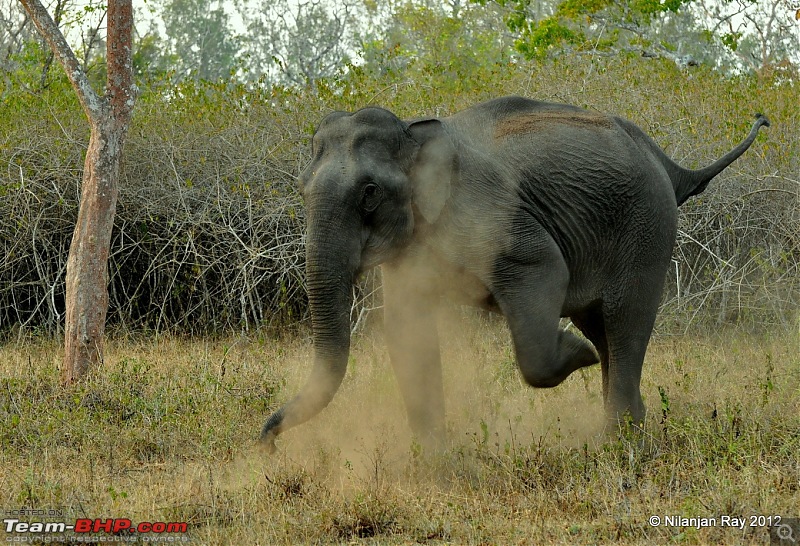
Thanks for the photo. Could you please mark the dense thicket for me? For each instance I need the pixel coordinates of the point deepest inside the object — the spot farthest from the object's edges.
(209, 229)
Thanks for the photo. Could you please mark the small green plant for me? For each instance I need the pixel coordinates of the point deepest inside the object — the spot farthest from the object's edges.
(766, 383)
(665, 410)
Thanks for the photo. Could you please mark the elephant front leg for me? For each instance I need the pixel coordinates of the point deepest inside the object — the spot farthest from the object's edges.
(413, 342)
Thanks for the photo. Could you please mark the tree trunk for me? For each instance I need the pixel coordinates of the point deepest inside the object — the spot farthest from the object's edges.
(109, 117)
(87, 265)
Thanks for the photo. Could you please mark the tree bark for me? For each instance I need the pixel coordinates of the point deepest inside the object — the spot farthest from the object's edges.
(109, 117)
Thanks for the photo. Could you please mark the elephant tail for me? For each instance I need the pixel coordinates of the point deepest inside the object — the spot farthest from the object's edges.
(688, 182)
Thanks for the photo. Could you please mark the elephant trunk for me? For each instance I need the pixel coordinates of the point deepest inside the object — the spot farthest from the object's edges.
(330, 274)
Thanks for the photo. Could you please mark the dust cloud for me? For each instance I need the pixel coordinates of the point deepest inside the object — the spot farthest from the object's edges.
(362, 438)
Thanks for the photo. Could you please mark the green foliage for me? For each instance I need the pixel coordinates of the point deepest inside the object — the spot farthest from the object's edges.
(574, 9)
(581, 24)
(148, 57)
(731, 40)
(542, 36)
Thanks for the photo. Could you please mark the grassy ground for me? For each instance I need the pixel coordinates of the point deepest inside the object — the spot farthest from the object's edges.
(165, 432)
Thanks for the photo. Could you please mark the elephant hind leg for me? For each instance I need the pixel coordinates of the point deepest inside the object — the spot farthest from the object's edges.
(592, 325)
(621, 360)
(628, 326)
(531, 298)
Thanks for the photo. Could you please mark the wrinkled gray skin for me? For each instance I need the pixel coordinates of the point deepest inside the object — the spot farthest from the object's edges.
(531, 209)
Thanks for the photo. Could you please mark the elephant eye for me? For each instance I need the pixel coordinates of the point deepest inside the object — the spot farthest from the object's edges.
(371, 197)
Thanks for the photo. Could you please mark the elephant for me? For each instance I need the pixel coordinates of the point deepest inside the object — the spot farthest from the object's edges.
(531, 209)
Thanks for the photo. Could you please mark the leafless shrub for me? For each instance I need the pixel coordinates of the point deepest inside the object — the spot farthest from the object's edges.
(209, 228)
(209, 233)
(737, 256)
(737, 259)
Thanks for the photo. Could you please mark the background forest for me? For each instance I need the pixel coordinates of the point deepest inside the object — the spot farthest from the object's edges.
(209, 228)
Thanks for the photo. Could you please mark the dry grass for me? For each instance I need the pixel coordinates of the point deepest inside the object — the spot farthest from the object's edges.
(165, 432)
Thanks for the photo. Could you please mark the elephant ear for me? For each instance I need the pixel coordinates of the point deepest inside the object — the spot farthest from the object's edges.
(434, 167)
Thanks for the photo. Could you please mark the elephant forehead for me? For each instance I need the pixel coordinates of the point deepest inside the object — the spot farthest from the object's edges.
(371, 132)
(362, 141)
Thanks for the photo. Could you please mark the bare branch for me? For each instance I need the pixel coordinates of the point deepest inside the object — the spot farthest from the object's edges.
(90, 101)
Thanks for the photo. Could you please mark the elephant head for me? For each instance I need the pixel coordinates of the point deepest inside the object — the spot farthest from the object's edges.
(372, 180)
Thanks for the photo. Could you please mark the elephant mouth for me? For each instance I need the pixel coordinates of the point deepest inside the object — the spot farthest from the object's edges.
(370, 261)
(385, 243)
(374, 254)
